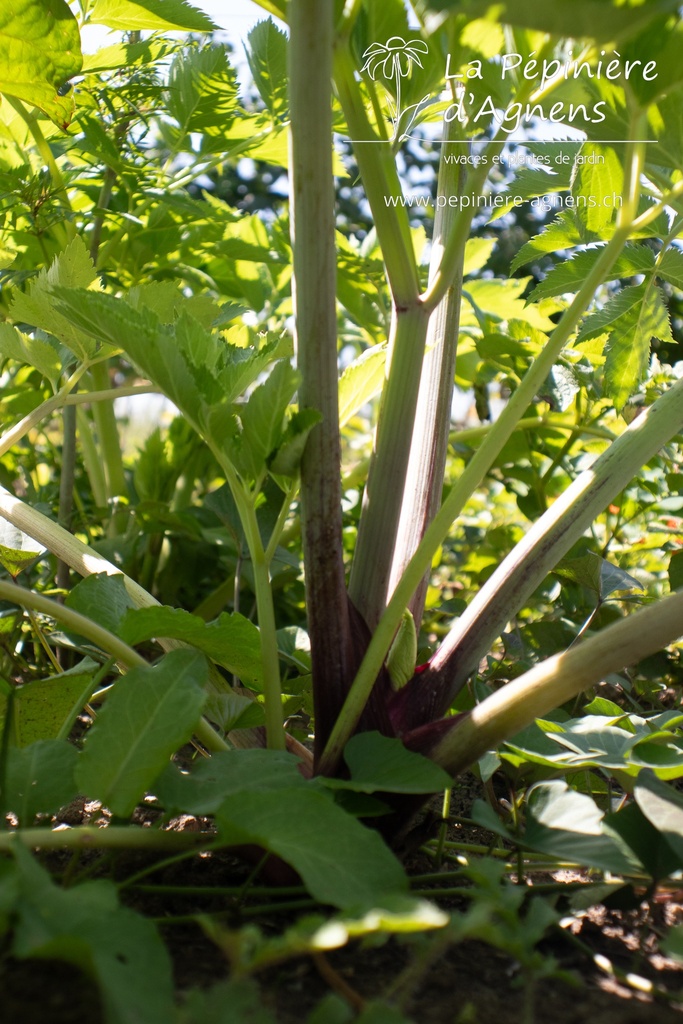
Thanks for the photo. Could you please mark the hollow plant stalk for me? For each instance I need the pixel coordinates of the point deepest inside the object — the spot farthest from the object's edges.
(558, 679)
(314, 290)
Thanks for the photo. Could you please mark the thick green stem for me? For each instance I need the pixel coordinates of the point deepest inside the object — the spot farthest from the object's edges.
(91, 457)
(110, 445)
(381, 182)
(72, 620)
(45, 409)
(66, 483)
(382, 501)
(314, 287)
(558, 679)
(267, 633)
(548, 540)
(115, 837)
(427, 463)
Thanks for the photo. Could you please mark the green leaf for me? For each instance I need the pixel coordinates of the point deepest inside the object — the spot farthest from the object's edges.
(477, 254)
(603, 20)
(288, 457)
(561, 233)
(39, 779)
(263, 415)
(203, 790)
(361, 381)
(14, 344)
(631, 825)
(202, 90)
(231, 640)
(676, 570)
(568, 825)
(662, 805)
(40, 50)
(631, 319)
(596, 188)
(84, 925)
(672, 945)
(71, 269)
(157, 15)
(43, 708)
(381, 763)
(267, 57)
(670, 267)
(150, 713)
(102, 598)
(340, 861)
(17, 549)
(237, 1001)
(569, 275)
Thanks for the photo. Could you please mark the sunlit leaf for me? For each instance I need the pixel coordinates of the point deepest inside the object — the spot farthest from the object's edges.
(40, 50)
(150, 713)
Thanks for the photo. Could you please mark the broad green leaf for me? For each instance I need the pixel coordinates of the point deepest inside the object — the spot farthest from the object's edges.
(39, 779)
(231, 640)
(120, 55)
(603, 20)
(202, 90)
(234, 711)
(562, 233)
(267, 56)
(287, 459)
(40, 50)
(532, 183)
(17, 549)
(14, 344)
(263, 415)
(672, 944)
(102, 598)
(613, 578)
(662, 805)
(202, 790)
(670, 267)
(157, 15)
(340, 861)
(477, 254)
(237, 1001)
(501, 300)
(381, 763)
(631, 825)
(569, 275)
(631, 319)
(42, 709)
(84, 925)
(676, 570)
(597, 188)
(149, 714)
(71, 269)
(568, 825)
(361, 381)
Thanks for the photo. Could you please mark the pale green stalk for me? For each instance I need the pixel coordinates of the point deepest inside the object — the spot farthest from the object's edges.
(41, 412)
(114, 837)
(382, 500)
(558, 679)
(109, 445)
(429, 445)
(552, 536)
(73, 621)
(91, 457)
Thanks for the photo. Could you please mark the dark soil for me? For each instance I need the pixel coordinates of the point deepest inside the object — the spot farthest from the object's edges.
(467, 983)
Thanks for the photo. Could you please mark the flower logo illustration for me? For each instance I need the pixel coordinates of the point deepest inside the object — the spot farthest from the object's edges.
(393, 60)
